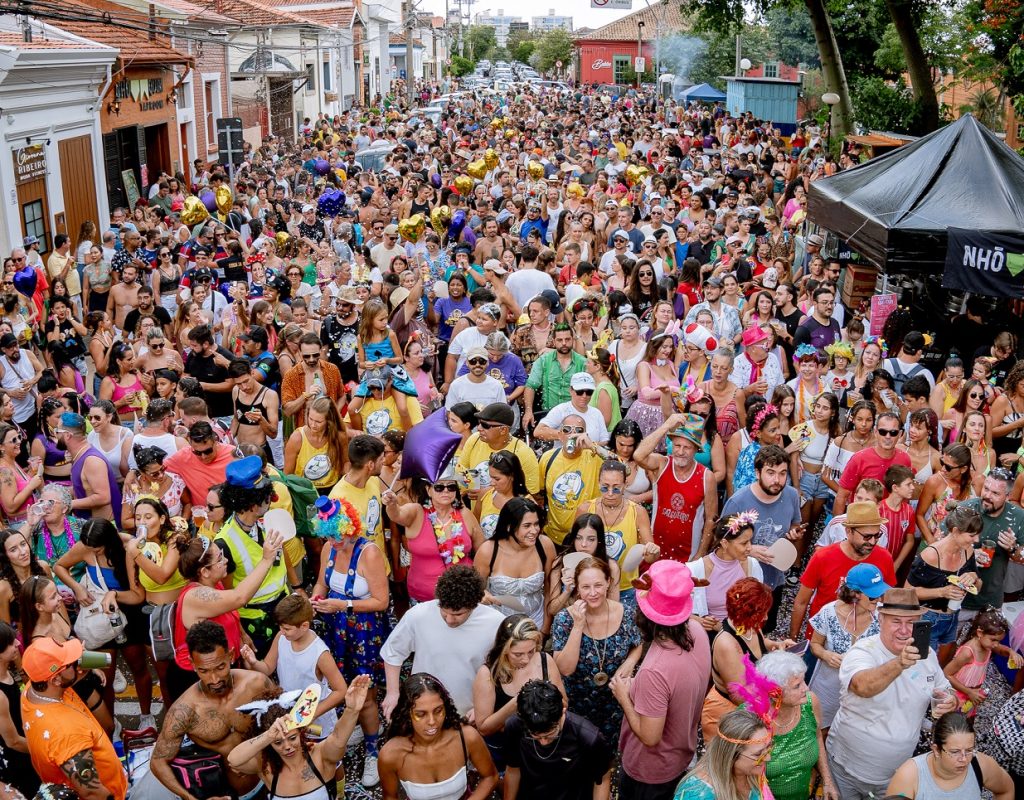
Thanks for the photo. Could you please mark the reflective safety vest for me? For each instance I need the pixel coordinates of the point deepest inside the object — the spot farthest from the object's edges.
(246, 553)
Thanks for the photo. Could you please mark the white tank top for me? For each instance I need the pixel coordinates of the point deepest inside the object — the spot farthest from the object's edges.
(165, 441)
(296, 669)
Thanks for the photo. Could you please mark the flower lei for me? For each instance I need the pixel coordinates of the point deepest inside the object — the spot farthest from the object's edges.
(451, 545)
(48, 538)
(802, 408)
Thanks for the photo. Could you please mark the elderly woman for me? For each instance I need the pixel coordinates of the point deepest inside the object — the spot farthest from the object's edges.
(51, 529)
(798, 748)
(734, 764)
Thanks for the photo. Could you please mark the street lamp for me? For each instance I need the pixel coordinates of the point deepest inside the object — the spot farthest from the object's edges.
(744, 65)
(830, 99)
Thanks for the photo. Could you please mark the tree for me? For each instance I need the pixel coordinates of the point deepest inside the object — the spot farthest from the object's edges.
(460, 66)
(997, 49)
(521, 45)
(880, 105)
(719, 55)
(552, 47)
(987, 106)
(481, 40)
(790, 36)
(906, 19)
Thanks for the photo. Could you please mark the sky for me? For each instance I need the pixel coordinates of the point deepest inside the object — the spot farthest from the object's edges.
(580, 11)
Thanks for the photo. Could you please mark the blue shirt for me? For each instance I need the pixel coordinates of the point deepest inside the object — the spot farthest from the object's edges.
(773, 521)
(529, 224)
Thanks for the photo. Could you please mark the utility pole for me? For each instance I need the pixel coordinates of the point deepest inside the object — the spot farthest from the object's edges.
(410, 81)
(739, 55)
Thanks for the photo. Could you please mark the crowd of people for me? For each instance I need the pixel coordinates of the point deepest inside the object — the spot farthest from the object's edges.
(697, 533)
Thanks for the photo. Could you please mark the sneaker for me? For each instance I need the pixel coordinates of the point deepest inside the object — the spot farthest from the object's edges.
(147, 721)
(356, 737)
(140, 739)
(120, 682)
(371, 776)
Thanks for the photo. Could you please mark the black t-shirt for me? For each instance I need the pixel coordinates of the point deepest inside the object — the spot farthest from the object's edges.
(999, 368)
(567, 769)
(340, 339)
(131, 321)
(205, 370)
(233, 269)
(792, 322)
(74, 346)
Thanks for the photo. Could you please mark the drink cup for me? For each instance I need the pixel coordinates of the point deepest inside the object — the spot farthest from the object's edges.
(954, 605)
(988, 548)
(938, 698)
(92, 660)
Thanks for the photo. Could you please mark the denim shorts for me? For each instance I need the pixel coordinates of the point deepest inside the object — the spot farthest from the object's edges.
(812, 487)
(943, 627)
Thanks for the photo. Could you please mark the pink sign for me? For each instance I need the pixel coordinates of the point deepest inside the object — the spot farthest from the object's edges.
(882, 305)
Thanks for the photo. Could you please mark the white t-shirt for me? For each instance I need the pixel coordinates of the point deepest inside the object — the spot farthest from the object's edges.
(871, 736)
(382, 256)
(465, 341)
(452, 654)
(594, 419)
(526, 284)
(479, 394)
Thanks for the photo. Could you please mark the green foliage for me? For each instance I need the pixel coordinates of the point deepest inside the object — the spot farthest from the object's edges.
(858, 26)
(879, 105)
(551, 47)
(629, 76)
(996, 50)
(987, 106)
(521, 45)
(720, 57)
(481, 41)
(460, 66)
(790, 35)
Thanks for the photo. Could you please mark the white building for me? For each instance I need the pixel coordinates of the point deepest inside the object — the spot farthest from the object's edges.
(52, 173)
(499, 21)
(550, 22)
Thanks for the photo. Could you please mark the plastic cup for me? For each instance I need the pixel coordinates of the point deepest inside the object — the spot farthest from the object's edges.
(938, 698)
(954, 605)
(988, 547)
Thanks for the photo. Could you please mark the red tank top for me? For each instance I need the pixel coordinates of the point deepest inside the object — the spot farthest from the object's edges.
(679, 510)
(230, 621)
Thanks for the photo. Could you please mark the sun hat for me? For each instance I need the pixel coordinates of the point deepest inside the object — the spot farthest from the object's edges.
(863, 515)
(900, 603)
(692, 429)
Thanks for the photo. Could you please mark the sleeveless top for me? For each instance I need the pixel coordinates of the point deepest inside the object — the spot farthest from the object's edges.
(122, 391)
(173, 583)
(452, 788)
(325, 791)
(53, 456)
(1009, 442)
(924, 575)
(296, 669)
(113, 455)
(727, 417)
(794, 756)
(427, 563)
(230, 621)
(21, 480)
(678, 511)
(242, 408)
(744, 648)
(927, 789)
(618, 539)
(314, 463)
(703, 456)
(529, 590)
(348, 585)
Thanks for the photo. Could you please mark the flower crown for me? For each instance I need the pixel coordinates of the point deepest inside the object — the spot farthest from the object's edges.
(882, 344)
(803, 351)
(737, 522)
(761, 416)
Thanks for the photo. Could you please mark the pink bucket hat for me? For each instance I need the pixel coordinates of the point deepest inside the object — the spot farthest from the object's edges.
(754, 335)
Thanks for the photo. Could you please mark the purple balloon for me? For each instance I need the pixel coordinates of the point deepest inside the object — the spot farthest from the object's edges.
(321, 166)
(429, 447)
(469, 237)
(209, 199)
(25, 281)
(435, 180)
(331, 202)
(457, 224)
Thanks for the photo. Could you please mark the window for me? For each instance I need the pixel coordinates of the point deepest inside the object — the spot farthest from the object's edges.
(35, 222)
(185, 94)
(620, 66)
(211, 105)
(771, 69)
(310, 78)
(327, 76)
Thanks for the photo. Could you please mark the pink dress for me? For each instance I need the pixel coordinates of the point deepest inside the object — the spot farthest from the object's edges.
(426, 563)
(647, 411)
(971, 675)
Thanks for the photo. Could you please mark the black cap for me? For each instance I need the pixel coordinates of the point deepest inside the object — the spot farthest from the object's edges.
(256, 333)
(552, 297)
(202, 274)
(279, 282)
(498, 412)
(8, 340)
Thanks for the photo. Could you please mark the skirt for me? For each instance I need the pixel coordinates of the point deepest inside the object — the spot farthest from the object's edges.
(648, 417)
(355, 641)
(715, 707)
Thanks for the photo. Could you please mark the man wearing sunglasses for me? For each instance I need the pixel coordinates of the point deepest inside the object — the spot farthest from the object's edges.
(96, 492)
(493, 435)
(570, 475)
(204, 462)
(476, 386)
(873, 462)
(581, 392)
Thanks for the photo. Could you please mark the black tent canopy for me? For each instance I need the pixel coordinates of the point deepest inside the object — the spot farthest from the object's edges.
(894, 210)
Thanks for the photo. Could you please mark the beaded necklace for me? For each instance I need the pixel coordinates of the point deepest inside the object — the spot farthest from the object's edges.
(802, 407)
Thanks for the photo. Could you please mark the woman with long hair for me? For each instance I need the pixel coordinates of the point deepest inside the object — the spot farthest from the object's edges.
(587, 538)
(517, 656)
(657, 380)
(111, 574)
(728, 561)
(733, 766)
(507, 480)
(628, 350)
(286, 758)
(123, 386)
(1008, 414)
(601, 367)
(922, 447)
(17, 564)
(150, 479)
(971, 398)
(439, 532)
(18, 487)
(97, 278)
(625, 438)
(811, 440)
(515, 560)
(972, 434)
(318, 449)
(430, 748)
(288, 350)
(763, 429)
(954, 483)
(461, 419)
(642, 289)
(109, 437)
(860, 433)
(872, 355)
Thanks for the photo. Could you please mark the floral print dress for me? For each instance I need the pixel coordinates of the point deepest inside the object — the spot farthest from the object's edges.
(586, 698)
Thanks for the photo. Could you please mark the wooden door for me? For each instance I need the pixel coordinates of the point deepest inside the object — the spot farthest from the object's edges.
(79, 181)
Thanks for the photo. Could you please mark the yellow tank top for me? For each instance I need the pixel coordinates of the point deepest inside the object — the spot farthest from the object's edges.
(487, 513)
(174, 583)
(617, 541)
(315, 464)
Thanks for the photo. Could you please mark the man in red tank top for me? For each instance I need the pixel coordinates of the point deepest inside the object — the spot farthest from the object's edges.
(685, 493)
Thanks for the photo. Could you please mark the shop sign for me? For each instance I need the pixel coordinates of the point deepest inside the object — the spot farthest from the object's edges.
(29, 164)
(985, 263)
(600, 63)
(147, 92)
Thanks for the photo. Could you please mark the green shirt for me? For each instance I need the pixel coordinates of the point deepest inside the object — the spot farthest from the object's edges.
(613, 393)
(994, 576)
(548, 376)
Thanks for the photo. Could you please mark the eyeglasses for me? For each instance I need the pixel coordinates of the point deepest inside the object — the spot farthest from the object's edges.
(894, 432)
(476, 361)
(155, 346)
(19, 258)
(201, 453)
(446, 487)
(492, 425)
(572, 429)
(871, 537)
(610, 489)
(958, 754)
(95, 418)
(759, 758)
(158, 474)
(212, 506)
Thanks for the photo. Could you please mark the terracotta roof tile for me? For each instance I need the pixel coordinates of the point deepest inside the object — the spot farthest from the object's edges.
(17, 40)
(135, 45)
(252, 14)
(205, 12)
(665, 16)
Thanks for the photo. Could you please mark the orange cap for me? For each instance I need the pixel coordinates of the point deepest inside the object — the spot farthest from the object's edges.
(45, 657)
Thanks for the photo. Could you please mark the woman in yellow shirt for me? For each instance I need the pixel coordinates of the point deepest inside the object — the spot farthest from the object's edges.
(317, 450)
(507, 481)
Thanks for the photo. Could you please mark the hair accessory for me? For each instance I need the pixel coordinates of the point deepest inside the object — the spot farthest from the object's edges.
(804, 351)
(760, 417)
(762, 696)
(839, 350)
(256, 258)
(602, 343)
(179, 524)
(928, 340)
(738, 522)
(207, 541)
(335, 519)
(693, 393)
(882, 345)
(260, 707)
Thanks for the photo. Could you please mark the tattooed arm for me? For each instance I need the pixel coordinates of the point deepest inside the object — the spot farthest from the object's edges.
(180, 720)
(81, 772)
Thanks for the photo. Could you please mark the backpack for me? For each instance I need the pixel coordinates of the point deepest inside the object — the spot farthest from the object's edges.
(303, 495)
(161, 630)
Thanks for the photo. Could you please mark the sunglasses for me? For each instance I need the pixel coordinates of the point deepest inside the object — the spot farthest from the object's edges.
(974, 396)
(475, 361)
(165, 255)
(492, 425)
(584, 392)
(311, 358)
(949, 467)
(871, 536)
(572, 429)
(201, 453)
(894, 432)
(446, 487)
(610, 489)
(156, 346)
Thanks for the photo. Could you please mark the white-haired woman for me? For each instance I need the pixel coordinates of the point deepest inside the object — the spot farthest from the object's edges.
(798, 749)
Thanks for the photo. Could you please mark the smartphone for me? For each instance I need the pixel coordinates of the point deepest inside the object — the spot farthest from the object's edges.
(922, 636)
(799, 648)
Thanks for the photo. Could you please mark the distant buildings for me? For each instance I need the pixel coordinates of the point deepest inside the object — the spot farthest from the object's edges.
(550, 22)
(499, 21)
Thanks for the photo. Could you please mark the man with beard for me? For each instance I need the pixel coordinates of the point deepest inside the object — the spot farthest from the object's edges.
(95, 489)
(778, 515)
(476, 386)
(206, 714)
(147, 306)
(552, 373)
(338, 332)
(66, 743)
(819, 583)
(1001, 522)
(685, 492)
(20, 371)
(124, 296)
(872, 462)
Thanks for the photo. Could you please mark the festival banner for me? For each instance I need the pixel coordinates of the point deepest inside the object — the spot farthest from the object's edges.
(985, 263)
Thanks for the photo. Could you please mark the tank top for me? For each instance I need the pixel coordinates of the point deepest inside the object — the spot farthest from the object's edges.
(78, 487)
(242, 408)
(296, 669)
(121, 391)
(173, 583)
(113, 455)
(452, 788)
(53, 456)
(678, 511)
(744, 648)
(927, 789)
(15, 374)
(727, 417)
(21, 480)
(314, 463)
(325, 791)
(230, 621)
(503, 698)
(427, 564)
(618, 539)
